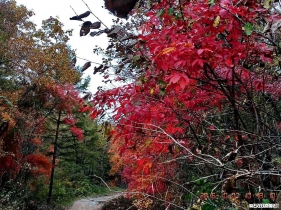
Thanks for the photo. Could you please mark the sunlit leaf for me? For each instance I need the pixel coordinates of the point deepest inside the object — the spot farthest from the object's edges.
(248, 29)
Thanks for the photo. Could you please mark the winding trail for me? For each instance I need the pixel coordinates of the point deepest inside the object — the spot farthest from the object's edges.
(93, 203)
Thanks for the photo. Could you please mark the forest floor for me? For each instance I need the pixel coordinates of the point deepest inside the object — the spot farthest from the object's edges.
(95, 203)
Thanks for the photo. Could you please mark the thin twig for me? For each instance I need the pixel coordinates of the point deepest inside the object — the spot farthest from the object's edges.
(103, 182)
(89, 60)
(94, 14)
(73, 10)
(188, 150)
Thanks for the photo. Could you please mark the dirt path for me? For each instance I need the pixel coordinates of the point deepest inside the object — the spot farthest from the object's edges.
(93, 203)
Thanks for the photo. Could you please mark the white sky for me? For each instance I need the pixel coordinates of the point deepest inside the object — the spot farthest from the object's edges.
(84, 45)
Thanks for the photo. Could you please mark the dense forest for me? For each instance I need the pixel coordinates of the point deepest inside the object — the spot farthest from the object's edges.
(193, 122)
(52, 151)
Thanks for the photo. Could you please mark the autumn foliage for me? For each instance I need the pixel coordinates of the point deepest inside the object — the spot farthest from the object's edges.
(37, 81)
(204, 108)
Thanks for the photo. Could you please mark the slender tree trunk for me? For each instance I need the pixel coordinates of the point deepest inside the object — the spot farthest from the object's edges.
(54, 159)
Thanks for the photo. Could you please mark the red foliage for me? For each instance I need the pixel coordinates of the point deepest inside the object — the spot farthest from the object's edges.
(61, 97)
(66, 94)
(200, 55)
(39, 164)
(9, 164)
(36, 141)
(69, 121)
(77, 132)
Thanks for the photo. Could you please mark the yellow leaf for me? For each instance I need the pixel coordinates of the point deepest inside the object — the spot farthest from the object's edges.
(147, 142)
(152, 91)
(267, 4)
(167, 50)
(217, 21)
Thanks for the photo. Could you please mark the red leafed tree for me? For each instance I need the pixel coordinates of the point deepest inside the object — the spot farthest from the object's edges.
(63, 100)
(202, 114)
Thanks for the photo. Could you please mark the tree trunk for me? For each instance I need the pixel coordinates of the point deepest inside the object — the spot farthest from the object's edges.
(54, 159)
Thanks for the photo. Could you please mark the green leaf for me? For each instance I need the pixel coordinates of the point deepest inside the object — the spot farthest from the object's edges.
(162, 84)
(211, 2)
(161, 13)
(137, 57)
(248, 29)
(171, 11)
(208, 207)
(208, 188)
(265, 201)
(162, 92)
(3, 38)
(199, 182)
(179, 15)
(187, 197)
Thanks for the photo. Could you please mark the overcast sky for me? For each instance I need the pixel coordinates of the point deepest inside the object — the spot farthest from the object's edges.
(43, 9)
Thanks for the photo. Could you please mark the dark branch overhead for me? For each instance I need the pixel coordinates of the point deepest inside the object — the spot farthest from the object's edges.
(120, 8)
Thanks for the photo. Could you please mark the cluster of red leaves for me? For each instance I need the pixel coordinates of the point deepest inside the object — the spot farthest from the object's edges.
(66, 95)
(9, 164)
(39, 164)
(69, 121)
(61, 97)
(198, 53)
(69, 100)
(77, 132)
(36, 164)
